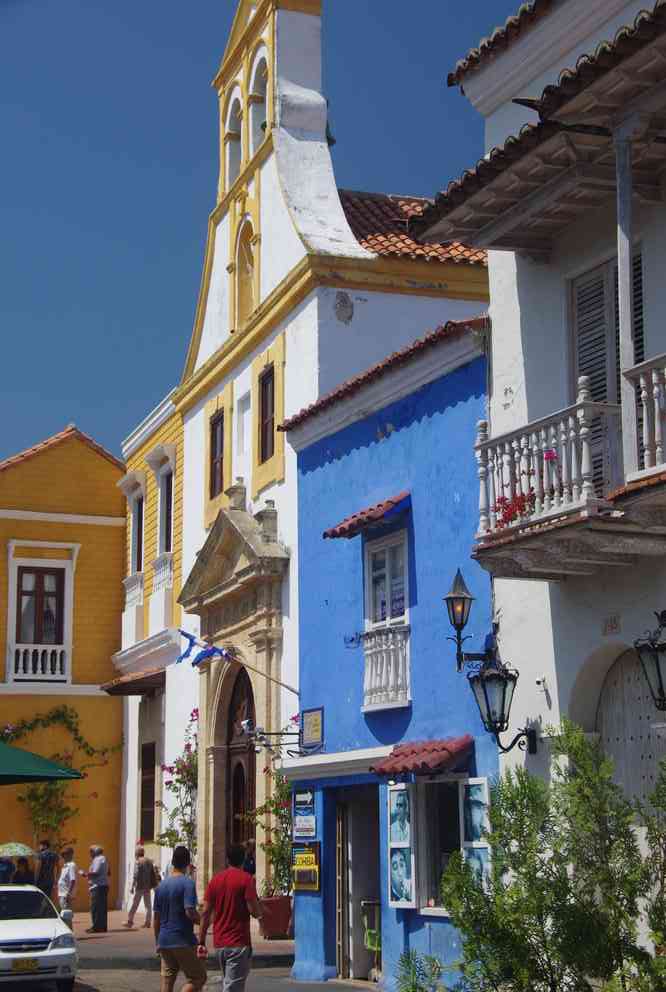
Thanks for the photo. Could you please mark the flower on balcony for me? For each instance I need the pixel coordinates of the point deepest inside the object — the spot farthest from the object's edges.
(550, 455)
(510, 509)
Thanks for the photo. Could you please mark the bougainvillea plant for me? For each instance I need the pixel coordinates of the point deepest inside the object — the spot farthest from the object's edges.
(180, 781)
(49, 804)
(510, 509)
(274, 820)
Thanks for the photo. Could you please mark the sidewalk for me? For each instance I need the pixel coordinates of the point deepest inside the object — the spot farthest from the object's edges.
(133, 949)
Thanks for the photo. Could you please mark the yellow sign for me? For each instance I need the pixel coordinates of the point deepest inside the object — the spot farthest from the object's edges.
(313, 726)
(305, 867)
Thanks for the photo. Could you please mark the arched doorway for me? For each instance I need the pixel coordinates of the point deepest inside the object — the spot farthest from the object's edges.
(628, 727)
(241, 769)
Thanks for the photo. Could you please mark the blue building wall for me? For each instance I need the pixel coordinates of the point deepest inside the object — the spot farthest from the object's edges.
(423, 443)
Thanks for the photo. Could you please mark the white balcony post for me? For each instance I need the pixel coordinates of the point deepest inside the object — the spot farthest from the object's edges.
(623, 136)
(482, 459)
(658, 399)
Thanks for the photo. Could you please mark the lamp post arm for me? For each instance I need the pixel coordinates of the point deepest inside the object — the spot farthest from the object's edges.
(526, 740)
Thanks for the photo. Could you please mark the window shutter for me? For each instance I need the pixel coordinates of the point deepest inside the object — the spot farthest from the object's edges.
(638, 327)
(592, 329)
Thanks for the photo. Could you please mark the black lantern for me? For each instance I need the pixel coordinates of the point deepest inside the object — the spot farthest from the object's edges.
(459, 603)
(492, 683)
(651, 651)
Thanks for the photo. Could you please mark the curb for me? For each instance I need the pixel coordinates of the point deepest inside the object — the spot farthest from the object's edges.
(152, 962)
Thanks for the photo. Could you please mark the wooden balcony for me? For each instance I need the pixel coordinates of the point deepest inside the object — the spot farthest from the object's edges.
(387, 683)
(554, 500)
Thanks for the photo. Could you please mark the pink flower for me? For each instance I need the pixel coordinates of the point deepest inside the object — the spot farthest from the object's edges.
(295, 718)
(167, 784)
(550, 455)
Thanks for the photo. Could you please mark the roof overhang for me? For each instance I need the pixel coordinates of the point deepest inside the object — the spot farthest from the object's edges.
(522, 196)
(381, 514)
(137, 683)
(428, 757)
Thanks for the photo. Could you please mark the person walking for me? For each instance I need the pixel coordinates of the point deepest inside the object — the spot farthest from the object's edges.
(98, 884)
(67, 879)
(229, 901)
(144, 881)
(174, 916)
(48, 862)
(250, 862)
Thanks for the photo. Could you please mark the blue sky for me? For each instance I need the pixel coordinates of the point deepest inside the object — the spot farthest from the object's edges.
(109, 167)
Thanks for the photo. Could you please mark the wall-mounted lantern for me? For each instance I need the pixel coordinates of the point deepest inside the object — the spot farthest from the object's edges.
(651, 651)
(492, 683)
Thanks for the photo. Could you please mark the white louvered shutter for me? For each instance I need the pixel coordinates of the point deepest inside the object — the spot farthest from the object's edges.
(594, 354)
(638, 327)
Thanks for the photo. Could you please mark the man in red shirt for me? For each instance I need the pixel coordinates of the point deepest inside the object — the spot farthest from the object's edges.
(230, 900)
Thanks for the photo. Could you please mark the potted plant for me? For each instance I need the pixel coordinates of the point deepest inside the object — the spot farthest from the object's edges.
(274, 820)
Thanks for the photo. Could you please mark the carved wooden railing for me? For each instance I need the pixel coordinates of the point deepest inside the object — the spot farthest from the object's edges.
(386, 682)
(650, 381)
(163, 572)
(550, 466)
(133, 590)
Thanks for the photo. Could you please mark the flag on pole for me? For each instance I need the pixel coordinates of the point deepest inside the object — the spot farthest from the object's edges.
(191, 639)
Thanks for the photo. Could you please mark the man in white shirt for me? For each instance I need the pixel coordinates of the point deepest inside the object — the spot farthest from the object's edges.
(67, 879)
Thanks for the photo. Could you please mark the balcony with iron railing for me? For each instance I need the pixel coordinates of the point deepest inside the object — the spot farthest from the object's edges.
(386, 684)
(566, 470)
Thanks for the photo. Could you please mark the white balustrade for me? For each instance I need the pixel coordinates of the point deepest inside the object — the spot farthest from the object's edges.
(38, 662)
(544, 468)
(650, 380)
(133, 590)
(163, 572)
(386, 684)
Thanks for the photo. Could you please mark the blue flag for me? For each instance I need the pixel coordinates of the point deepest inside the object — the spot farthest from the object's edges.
(191, 639)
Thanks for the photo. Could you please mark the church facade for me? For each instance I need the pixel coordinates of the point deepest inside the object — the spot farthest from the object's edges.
(303, 286)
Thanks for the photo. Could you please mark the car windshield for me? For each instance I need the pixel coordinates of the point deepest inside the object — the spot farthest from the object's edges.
(17, 905)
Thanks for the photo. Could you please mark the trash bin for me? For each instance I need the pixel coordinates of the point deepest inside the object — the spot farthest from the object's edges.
(372, 934)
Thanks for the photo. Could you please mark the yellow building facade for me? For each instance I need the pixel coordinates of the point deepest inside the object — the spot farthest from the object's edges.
(62, 539)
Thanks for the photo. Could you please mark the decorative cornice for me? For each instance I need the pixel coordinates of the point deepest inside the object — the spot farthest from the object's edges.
(37, 689)
(428, 279)
(161, 648)
(62, 518)
(335, 764)
(148, 426)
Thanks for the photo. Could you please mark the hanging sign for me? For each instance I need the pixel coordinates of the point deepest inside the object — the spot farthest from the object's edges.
(305, 820)
(312, 727)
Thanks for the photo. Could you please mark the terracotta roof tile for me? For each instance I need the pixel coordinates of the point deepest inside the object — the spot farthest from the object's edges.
(500, 39)
(402, 357)
(648, 25)
(380, 221)
(71, 431)
(426, 757)
(353, 525)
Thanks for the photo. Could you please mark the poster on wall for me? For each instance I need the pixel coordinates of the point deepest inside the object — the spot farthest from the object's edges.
(305, 821)
(474, 825)
(401, 861)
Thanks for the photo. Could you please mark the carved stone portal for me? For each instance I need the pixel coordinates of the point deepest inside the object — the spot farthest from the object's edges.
(235, 587)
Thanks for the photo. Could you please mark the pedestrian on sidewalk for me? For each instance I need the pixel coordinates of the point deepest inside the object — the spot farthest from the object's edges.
(48, 862)
(24, 875)
(144, 880)
(67, 879)
(250, 862)
(174, 916)
(230, 900)
(98, 884)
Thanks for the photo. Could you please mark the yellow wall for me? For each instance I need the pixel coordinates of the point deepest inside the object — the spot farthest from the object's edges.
(171, 432)
(70, 477)
(97, 797)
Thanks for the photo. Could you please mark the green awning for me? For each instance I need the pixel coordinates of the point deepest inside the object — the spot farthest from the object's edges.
(18, 766)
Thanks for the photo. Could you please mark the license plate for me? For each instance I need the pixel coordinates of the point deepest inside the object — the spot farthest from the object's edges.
(23, 965)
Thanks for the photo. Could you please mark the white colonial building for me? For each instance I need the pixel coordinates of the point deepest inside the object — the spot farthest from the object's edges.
(569, 200)
(303, 286)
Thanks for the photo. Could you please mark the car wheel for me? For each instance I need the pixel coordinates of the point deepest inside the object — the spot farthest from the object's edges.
(65, 985)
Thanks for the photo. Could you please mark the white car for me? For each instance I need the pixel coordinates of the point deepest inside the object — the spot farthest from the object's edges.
(35, 943)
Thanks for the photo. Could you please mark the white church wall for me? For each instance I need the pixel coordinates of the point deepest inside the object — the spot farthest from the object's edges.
(359, 329)
(281, 247)
(215, 329)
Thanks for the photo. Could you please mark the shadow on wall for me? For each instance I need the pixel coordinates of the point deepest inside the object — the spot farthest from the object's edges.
(389, 726)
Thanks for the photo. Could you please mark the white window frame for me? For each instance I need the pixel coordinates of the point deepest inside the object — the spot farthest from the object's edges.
(396, 539)
(422, 853)
(133, 570)
(165, 470)
(407, 846)
(68, 566)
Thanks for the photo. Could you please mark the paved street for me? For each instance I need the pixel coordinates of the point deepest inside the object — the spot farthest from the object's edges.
(264, 980)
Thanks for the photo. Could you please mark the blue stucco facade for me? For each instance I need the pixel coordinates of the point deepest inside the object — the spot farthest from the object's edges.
(422, 443)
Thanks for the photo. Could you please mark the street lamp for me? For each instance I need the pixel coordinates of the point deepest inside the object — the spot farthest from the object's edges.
(492, 683)
(651, 651)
